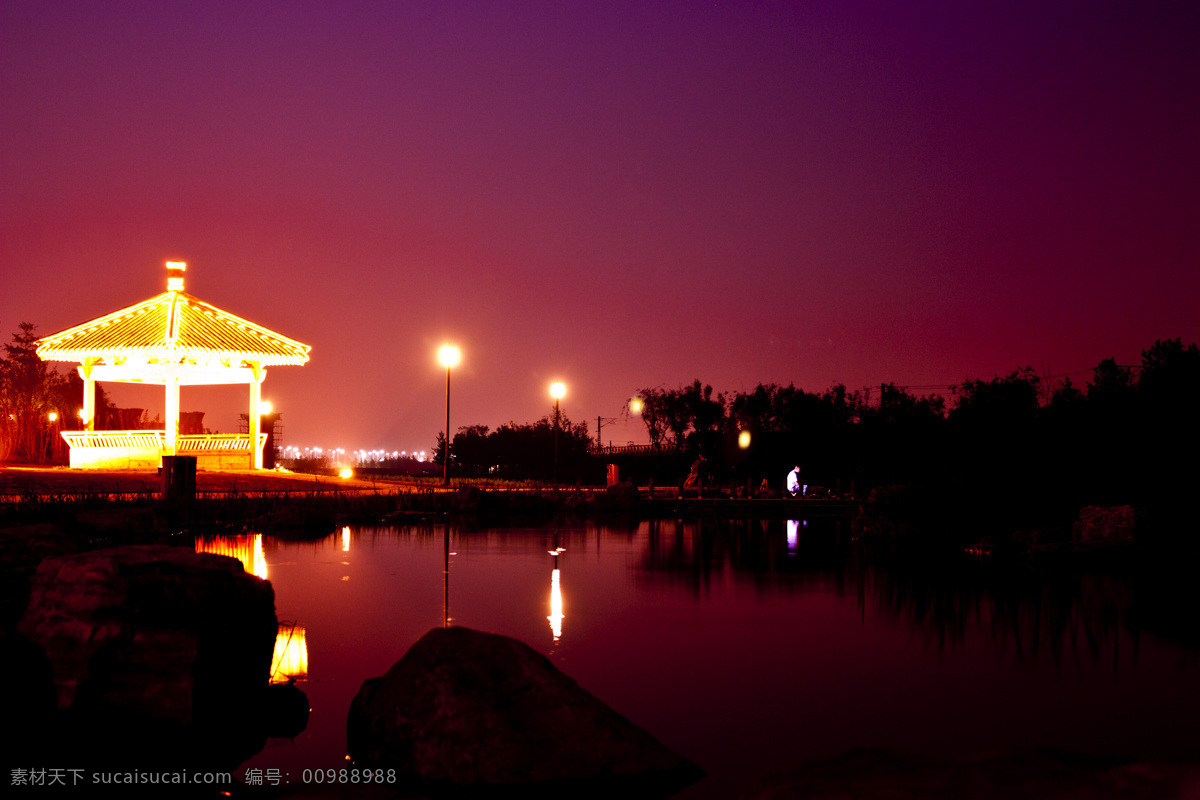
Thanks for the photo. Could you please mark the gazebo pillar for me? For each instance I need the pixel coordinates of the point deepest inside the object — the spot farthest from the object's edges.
(89, 404)
(89, 394)
(171, 413)
(252, 419)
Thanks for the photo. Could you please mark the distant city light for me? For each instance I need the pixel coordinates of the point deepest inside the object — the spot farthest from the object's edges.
(359, 457)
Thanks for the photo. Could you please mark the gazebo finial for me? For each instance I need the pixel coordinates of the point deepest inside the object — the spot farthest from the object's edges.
(175, 270)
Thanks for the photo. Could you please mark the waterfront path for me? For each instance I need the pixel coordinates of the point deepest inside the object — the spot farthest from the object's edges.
(23, 481)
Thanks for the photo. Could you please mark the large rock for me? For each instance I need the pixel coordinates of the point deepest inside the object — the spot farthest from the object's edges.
(470, 710)
(28, 681)
(152, 638)
(22, 549)
(1028, 774)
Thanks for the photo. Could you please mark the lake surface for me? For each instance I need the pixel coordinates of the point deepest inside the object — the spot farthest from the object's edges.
(749, 646)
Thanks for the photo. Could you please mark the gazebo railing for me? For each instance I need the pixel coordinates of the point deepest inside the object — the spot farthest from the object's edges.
(142, 440)
(211, 442)
(157, 441)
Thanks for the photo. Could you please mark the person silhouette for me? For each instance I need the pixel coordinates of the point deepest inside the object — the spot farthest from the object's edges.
(793, 481)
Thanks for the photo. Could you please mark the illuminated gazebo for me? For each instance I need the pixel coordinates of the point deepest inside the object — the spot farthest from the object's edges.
(172, 339)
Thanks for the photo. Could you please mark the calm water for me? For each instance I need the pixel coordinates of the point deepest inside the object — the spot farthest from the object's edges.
(748, 646)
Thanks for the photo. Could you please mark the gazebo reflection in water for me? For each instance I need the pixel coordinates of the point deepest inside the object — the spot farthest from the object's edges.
(289, 662)
(172, 339)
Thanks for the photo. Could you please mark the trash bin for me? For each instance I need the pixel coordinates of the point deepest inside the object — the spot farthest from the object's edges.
(178, 479)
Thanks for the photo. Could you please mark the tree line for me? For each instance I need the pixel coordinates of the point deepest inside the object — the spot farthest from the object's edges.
(1129, 435)
(541, 450)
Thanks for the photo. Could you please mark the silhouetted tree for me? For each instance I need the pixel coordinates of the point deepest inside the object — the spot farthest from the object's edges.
(670, 415)
(1111, 391)
(654, 415)
(520, 451)
(902, 439)
(439, 450)
(471, 451)
(676, 415)
(1001, 404)
(1067, 399)
(30, 391)
(1170, 377)
(1168, 434)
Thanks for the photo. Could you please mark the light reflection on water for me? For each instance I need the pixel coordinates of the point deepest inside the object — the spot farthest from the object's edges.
(749, 645)
(289, 662)
(246, 548)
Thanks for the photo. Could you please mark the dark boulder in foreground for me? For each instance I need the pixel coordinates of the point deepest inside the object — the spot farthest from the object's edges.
(22, 549)
(155, 648)
(28, 681)
(1041, 774)
(471, 712)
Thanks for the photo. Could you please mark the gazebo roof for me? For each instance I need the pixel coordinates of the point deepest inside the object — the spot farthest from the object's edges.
(173, 327)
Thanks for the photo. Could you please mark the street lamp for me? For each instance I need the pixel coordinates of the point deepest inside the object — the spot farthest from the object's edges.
(448, 356)
(558, 390)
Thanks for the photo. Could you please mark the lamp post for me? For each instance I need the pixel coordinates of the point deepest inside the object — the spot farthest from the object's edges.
(52, 418)
(448, 356)
(557, 390)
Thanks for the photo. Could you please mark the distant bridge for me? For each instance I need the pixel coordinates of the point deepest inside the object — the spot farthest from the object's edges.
(631, 449)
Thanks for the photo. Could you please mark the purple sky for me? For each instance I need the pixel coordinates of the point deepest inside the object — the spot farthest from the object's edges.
(617, 195)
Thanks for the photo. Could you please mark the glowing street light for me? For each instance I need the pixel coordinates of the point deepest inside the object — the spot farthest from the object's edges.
(448, 356)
